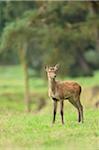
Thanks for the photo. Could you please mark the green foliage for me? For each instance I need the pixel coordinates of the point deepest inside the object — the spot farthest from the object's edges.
(12, 10)
(64, 30)
(92, 58)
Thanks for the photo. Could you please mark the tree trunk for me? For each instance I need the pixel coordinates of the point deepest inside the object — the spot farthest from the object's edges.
(94, 10)
(26, 92)
(83, 64)
(26, 77)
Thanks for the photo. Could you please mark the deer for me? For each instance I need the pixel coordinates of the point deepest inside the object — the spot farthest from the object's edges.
(59, 91)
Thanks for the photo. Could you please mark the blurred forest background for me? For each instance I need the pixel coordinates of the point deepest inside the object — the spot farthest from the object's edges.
(38, 33)
(47, 32)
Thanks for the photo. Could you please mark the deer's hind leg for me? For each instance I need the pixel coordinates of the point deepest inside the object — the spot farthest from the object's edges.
(77, 105)
(81, 110)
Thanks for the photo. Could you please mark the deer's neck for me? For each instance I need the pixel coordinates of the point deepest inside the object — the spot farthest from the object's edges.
(51, 84)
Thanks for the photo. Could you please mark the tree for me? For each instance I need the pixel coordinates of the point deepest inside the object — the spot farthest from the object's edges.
(66, 23)
(94, 15)
(23, 35)
(63, 30)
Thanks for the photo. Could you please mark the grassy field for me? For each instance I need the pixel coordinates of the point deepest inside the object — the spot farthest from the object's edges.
(34, 131)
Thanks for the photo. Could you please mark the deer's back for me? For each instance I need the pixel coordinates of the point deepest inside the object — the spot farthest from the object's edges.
(67, 89)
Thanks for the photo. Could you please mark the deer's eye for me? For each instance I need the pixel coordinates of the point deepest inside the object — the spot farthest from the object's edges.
(52, 68)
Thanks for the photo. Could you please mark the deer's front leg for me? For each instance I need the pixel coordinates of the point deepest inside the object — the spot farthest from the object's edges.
(54, 109)
(61, 110)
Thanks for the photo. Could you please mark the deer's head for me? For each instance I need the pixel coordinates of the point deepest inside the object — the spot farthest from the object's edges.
(52, 71)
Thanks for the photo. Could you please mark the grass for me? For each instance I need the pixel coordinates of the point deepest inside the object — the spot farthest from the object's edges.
(29, 131)
(34, 131)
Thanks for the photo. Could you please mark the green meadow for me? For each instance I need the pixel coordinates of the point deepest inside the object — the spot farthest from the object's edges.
(34, 130)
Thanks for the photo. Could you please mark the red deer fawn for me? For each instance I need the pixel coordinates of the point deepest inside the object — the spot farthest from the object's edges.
(59, 91)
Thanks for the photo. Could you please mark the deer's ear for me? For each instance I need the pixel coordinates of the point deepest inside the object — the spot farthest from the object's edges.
(56, 66)
(46, 68)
